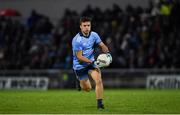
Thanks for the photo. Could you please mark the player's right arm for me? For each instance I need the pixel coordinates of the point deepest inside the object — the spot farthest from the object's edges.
(82, 58)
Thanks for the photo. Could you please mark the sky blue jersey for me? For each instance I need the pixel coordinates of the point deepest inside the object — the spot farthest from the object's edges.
(86, 44)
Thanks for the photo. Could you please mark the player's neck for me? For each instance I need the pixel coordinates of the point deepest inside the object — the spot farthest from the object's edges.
(84, 34)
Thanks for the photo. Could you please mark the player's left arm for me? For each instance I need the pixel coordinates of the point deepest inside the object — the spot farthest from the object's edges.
(103, 47)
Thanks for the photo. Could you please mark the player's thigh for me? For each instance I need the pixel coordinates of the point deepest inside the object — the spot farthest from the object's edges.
(96, 75)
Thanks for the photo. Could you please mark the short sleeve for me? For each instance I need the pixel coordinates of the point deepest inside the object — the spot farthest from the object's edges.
(98, 39)
(77, 46)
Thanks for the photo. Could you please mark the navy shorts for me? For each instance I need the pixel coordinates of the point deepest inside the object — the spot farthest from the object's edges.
(82, 74)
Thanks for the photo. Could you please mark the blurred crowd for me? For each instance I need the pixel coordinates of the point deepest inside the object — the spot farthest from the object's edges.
(137, 37)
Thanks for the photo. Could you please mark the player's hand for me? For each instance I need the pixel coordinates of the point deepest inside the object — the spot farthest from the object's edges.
(97, 64)
(110, 56)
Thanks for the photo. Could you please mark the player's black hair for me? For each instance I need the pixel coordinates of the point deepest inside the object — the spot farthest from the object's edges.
(85, 19)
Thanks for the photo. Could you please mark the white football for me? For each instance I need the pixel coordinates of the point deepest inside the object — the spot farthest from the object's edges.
(104, 60)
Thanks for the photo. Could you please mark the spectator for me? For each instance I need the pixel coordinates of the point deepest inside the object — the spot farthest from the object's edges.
(137, 37)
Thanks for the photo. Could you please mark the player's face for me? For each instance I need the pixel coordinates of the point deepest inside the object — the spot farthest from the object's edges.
(85, 28)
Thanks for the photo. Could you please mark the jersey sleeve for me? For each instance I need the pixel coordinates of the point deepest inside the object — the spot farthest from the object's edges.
(77, 46)
(98, 39)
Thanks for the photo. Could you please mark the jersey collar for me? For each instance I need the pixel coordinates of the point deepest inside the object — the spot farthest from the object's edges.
(80, 33)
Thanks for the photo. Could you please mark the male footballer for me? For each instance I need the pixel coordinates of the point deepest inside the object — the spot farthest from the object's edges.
(84, 64)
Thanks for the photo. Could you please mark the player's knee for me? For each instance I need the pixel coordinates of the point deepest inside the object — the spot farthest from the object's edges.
(87, 89)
